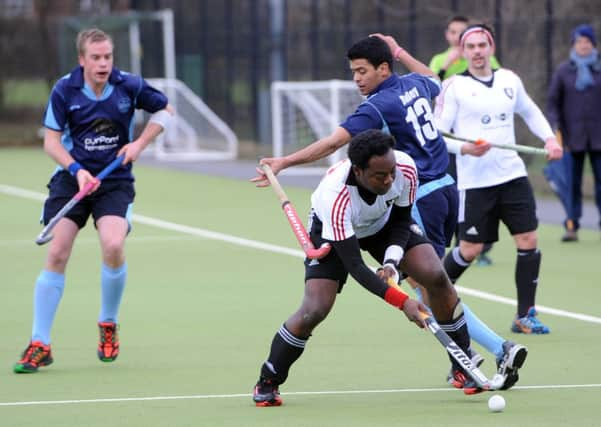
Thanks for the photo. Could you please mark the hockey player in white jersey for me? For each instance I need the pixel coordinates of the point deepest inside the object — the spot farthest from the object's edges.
(364, 203)
(481, 104)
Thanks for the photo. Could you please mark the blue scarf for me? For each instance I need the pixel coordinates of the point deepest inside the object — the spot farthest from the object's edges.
(584, 77)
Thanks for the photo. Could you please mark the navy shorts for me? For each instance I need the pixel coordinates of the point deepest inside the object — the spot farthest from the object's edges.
(481, 210)
(331, 266)
(435, 211)
(113, 197)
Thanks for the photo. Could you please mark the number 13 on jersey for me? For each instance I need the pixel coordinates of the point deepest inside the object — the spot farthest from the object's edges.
(421, 110)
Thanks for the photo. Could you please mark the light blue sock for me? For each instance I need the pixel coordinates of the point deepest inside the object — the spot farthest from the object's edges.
(112, 284)
(420, 297)
(482, 334)
(46, 296)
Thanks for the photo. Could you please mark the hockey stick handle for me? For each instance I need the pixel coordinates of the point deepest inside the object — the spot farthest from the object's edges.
(295, 223)
(515, 147)
(44, 236)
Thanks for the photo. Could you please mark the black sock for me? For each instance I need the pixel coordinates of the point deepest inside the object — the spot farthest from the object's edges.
(285, 350)
(456, 329)
(455, 264)
(527, 267)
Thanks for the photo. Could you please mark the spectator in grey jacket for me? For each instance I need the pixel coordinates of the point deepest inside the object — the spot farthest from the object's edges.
(574, 109)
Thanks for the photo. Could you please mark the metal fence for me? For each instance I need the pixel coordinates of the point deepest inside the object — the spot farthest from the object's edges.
(229, 51)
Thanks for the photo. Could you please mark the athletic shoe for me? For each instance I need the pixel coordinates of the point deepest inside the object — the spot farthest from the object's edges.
(514, 356)
(36, 355)
(266, 393)
(529, 324)
(108, 346)
(570, 236)
(477, 360)
(469, 386)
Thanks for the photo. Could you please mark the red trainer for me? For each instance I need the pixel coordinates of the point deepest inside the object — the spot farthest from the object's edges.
(36, 354)
(108, 346)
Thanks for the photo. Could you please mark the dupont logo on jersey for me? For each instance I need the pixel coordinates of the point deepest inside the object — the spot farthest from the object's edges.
(485, 119)
(472, 231)
(124, 104)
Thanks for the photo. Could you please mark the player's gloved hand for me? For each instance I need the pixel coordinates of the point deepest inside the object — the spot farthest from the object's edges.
(413, 310)
(275, 163)
(388, 272)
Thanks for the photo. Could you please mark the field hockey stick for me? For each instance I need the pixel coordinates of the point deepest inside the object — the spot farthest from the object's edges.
(451, 346)
(45, 236)
(297, 226)
(515, 147)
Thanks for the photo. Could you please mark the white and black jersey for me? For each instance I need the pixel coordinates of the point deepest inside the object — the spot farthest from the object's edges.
(477, 109)
(343, 212)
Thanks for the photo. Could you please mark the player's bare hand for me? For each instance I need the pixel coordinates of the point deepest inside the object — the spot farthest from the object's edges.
(84, 177)
(131, 151)
(478, 149)
(390, 41)
(413, 310)
(554, 150)
(275, 163)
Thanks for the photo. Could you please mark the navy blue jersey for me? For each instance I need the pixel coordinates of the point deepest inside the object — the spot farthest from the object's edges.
(400, 106)
(94, 129)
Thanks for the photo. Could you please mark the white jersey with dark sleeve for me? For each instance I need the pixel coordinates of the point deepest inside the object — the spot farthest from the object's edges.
(344, 213)
(475, 109)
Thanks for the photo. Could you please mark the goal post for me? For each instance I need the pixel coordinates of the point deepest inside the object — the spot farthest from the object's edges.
(303, 112)
(196, 132)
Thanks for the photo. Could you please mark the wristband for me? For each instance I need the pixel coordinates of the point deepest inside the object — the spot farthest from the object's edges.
(396, 53)
(73, 168)
(395, 297)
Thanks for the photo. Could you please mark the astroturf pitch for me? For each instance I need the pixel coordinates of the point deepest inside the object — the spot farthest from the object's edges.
(213, 272)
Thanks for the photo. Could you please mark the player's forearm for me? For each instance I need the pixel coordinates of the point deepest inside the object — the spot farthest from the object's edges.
(54, 148)
(412, 64)
(319, 149)
(150, 132)
(349, 252)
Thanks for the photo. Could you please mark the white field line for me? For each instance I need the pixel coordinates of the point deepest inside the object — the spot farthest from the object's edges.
(293, 393)
(207, 234)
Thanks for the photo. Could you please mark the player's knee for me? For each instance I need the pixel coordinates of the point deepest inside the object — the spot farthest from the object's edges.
(313, 316)
(57, 258)
(112, 250)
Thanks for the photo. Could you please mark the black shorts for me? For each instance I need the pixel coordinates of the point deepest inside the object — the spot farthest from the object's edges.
(113, 197)
(481, 209)
(331, 266)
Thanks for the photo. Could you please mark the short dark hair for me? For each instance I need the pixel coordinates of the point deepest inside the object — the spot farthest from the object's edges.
(458, 18)
(373, 49)
(367, 144)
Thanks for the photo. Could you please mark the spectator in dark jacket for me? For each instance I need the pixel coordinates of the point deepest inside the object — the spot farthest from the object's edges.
(574, 109)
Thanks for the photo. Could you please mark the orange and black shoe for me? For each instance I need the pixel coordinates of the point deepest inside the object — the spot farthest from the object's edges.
(266, 393)
(469, 386)
(36, 355)
(108, 346)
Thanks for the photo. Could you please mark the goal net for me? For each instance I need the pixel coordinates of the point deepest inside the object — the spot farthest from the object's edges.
(196, 133)
(303, 112)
